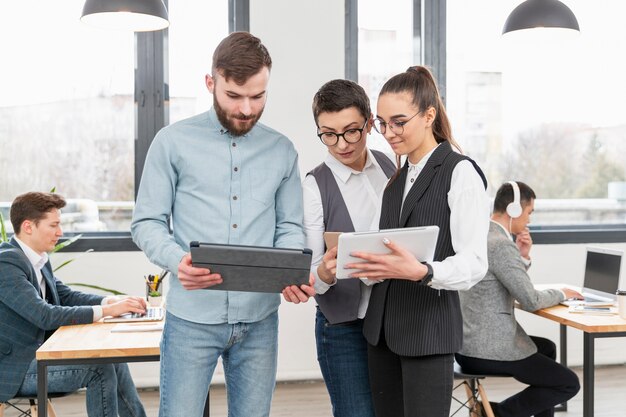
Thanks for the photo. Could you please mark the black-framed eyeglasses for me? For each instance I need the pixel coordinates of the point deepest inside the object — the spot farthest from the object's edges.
(350, 136)
(396, 126)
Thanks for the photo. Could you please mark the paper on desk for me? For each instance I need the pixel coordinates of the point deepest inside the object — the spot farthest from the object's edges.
(601, 311)
(124, 328)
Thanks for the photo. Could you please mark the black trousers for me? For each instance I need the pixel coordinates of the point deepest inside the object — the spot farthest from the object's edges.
(549, 382)
(410, 386)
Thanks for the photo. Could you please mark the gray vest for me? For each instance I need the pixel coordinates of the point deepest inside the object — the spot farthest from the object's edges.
(340, 303)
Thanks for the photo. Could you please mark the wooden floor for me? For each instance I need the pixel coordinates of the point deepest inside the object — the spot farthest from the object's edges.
(310, 399)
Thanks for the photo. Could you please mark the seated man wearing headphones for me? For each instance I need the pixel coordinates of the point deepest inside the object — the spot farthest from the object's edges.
(493, 341)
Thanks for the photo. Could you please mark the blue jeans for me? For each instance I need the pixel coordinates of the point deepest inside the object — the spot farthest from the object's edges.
(189, 354)
(342, 355)
(110, 388)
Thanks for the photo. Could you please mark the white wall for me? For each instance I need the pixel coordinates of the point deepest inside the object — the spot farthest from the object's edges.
(306, 41)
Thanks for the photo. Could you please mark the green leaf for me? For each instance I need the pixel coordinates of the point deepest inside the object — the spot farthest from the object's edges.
(66, 243)
(3, 231)
(96, 287)
(71, 260)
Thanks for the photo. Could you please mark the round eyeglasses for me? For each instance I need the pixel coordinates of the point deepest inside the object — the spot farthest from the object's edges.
(396, 126)
(350, 136)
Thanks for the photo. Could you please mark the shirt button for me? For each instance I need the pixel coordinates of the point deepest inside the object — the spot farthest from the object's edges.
(235, 226)
(412, 179)
(234, 197)
(236, 169)
(234, 145)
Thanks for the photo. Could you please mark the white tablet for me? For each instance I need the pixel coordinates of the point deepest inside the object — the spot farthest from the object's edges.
(420, 241)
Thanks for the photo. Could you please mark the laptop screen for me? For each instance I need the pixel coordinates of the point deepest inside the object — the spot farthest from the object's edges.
(602, 271)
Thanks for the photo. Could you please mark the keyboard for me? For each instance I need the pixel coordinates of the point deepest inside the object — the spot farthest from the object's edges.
(152, 314)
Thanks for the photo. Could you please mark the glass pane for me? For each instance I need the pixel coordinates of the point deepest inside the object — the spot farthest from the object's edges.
(197, 26)
(385, 49)
(66, 110)
(542, 110)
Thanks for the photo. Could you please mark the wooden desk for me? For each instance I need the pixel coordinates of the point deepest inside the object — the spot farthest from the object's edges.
(94, 343)
(593, 327)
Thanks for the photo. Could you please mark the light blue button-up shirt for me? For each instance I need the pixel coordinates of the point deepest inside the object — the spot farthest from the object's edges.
(217, 188)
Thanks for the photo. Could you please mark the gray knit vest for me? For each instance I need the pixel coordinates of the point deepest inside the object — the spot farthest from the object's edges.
(340, 303)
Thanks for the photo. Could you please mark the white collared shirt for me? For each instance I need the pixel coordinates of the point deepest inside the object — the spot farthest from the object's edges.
(38, 261)
(469, 226)
(362, 192)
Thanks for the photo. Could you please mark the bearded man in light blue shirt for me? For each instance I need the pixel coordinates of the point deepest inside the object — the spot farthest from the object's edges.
(220, 177)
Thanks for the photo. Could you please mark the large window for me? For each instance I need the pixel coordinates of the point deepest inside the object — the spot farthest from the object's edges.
(197, 26)
(67, 112)
(66, 109)
(549, 112)
(385, 38)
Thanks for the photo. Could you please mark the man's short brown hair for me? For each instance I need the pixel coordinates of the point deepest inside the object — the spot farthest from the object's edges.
(33, 206)
(239, 56)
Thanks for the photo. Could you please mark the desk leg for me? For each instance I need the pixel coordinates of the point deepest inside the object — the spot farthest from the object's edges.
(207, 411)
(42, 389)
(588, 373)
(562, 358)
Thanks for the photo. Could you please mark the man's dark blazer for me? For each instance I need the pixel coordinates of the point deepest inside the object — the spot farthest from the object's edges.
(25, 316)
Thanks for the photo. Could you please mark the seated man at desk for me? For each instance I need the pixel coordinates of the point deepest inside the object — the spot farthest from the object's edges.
(34, 303)
(493, 341)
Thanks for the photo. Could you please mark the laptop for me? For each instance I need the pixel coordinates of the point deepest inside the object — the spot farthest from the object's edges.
(602, 273)
(152, 314)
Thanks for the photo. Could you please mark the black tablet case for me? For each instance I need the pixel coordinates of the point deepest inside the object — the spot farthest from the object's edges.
(253, 268)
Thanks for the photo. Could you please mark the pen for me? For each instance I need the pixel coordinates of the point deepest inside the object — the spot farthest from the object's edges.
(162, 276)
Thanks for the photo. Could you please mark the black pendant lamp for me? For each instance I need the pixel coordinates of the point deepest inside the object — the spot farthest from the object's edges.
(541, 14)
(135, 15)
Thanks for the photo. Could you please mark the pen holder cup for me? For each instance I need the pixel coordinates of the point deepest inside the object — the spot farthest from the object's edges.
(155, 301)
(153, 295)
(621, 303)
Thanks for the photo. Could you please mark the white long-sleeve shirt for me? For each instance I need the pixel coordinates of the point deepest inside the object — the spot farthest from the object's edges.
(469, 226)
(362, 192)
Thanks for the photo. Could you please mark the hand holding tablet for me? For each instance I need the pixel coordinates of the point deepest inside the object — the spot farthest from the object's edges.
(420, 242)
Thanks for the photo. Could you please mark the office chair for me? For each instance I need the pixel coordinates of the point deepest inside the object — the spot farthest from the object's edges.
(477, 402)
(31, 411)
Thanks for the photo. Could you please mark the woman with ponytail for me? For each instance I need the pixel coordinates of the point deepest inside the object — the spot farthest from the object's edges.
(413, 324)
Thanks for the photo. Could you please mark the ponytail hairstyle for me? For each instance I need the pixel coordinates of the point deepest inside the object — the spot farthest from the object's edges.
(420, 83)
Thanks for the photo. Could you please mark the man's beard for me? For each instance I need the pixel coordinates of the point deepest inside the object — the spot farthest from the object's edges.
(232, 128)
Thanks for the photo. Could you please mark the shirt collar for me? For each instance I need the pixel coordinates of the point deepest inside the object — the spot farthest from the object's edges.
(36, 260)
(422, 162)
(344, 172)
(508, 234)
